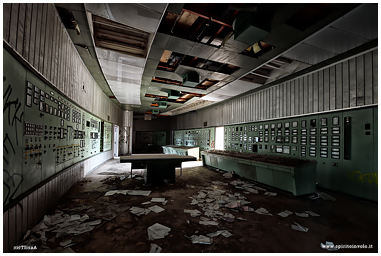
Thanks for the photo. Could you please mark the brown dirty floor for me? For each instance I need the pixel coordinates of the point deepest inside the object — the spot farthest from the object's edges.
(347, 220)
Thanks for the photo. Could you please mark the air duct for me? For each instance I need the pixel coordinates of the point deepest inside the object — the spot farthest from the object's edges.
(251, 27)
(191, 79)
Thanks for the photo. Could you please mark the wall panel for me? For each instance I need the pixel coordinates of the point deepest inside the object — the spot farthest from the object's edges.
(360, 97)
(338, 87)
(20, 28)
(7, 8)
(352, 83)
(375, 76)
(27, 24)
(330, 88)
(13, 25)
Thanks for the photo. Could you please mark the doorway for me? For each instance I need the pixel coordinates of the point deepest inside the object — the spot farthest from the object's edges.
(219, 138)
(116, 140)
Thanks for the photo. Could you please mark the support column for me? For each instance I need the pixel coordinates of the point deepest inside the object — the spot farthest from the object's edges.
(125, 134)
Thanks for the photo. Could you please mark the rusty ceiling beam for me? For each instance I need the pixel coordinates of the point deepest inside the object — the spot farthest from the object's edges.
(195, 58)
(198, 27)
(209, 18)
(177, 19)
(215, 35)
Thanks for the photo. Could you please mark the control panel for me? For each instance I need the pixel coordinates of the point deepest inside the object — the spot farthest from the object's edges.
(308, 137)
(46, 131)
(202, 138)
(342, 143)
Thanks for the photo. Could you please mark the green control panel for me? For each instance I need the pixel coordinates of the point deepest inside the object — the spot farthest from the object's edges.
(44, 131)
(202, 138)
(342, 143)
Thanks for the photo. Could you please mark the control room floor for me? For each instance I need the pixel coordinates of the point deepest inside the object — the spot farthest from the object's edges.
(347, 220)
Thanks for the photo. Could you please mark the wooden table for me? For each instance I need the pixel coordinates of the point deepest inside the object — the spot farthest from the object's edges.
(158, 166)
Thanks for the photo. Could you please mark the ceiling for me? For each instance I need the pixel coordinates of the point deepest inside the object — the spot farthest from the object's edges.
(169, 59)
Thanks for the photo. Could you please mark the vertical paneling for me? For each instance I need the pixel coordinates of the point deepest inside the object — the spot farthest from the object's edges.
(54, 49)
(48, 43)
(360, 80)
(62, 60)
(24, 204)
(278, 101)
(262, 105)
(289, 103)
(321, 90)
(267, 104)
(305, 94)
(300, 97)
(6, 232)
(19, 222)
(301, 94)
(296, 96)
(32, 35)
(339, 86)
(20, 28)
(13, 25)
(7, 8)
(58, 53)
(310, 93)
(315, 84)
(12, 224)
(332, 87)
(42, 32)
(352, 82)
(41, 201)
(346, 84)
(285, 100)
(30, 211)
(40, 9)
(254, 106)
(326, 89)
(368, 78)
(27, 25)
(375, 76)
(35, 207)
(275, 101)
(292, 99)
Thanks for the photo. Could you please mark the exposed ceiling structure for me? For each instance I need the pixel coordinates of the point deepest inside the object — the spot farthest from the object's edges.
(175, 58)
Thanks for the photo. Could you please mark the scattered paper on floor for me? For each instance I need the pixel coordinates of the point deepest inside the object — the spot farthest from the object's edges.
(155, 248)
(207, 223)
(228, 175)
(156, 209)
(299, 227)
(139, 192)
(157, 200)
(262, 211)
(157, 231)
(201, 239)
(312, 214)
(193, 213)
(285, 213)
(225, 233)
(302, 214)
(139, 211)
(270, 194)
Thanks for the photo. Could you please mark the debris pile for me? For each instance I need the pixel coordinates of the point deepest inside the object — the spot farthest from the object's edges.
(63, 225)
(129, 192)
